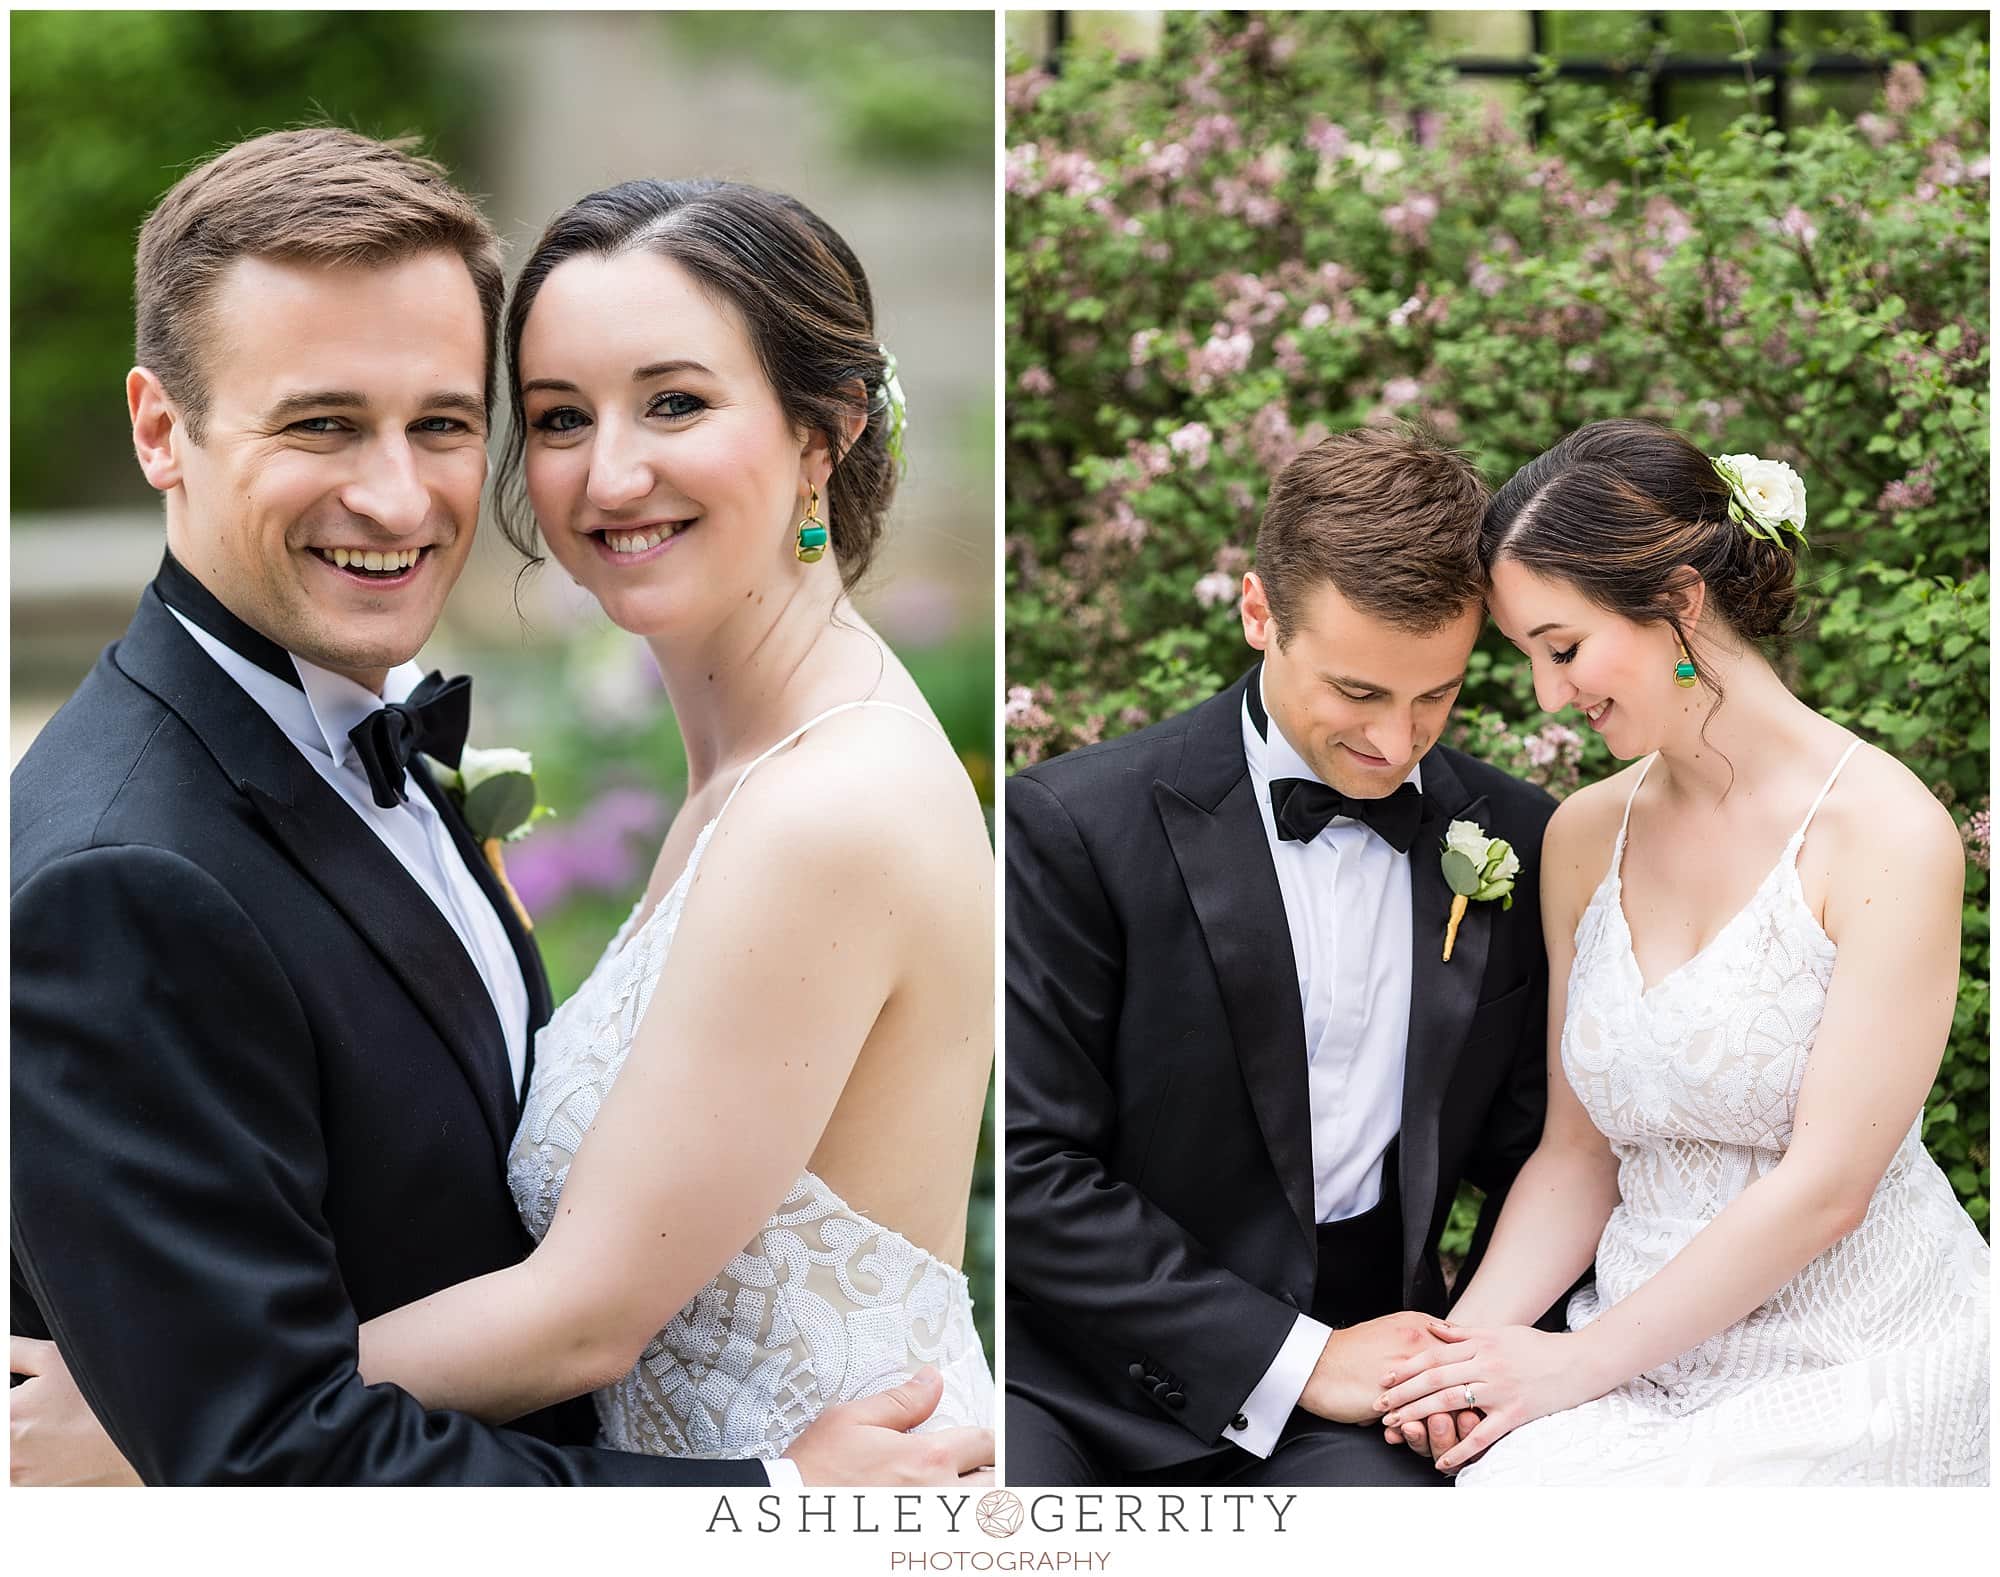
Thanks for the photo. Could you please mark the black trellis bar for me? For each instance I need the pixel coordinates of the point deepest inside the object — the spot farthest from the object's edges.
(1659, 71)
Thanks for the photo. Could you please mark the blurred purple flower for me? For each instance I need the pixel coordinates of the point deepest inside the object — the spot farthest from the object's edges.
(1193, 441)
(1213, 134)
(1213, 590)
(1402, 391)
(1878, 129)
(1036, 381)
(1325, 138)
(1025, 87)
(1904, 90)
(1222, 355)
(603, 849)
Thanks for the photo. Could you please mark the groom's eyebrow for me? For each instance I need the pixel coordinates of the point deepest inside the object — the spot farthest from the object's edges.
(353, 400)
(1354, 683)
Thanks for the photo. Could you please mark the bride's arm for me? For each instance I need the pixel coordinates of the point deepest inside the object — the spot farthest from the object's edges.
(785, 955)
(1556, 1209)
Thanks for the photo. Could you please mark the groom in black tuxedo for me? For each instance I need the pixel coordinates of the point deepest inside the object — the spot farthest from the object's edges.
(1243, 1084)
(272, 1015)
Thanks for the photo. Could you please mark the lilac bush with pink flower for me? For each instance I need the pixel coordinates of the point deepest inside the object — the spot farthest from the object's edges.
(1278, 226)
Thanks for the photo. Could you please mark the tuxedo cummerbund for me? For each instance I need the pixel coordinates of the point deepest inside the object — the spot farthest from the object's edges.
(1361, 1257)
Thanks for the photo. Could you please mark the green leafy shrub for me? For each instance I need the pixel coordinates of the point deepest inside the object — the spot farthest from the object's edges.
(1277, 227)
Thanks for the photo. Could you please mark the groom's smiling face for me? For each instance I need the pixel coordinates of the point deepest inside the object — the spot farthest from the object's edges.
(346, 420)
(1361, 700)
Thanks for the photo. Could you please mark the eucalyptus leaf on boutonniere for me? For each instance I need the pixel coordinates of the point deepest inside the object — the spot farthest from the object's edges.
(1476, 866)
(494, 791)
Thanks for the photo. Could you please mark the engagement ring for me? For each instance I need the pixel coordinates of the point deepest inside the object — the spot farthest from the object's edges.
(1468, 1396)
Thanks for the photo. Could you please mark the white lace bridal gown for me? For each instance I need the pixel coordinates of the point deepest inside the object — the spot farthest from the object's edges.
(1868, 1367)
(822, 1306)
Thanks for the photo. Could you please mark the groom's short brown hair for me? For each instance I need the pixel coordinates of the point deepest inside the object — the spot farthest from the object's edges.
(319, 194)
(1389, 516)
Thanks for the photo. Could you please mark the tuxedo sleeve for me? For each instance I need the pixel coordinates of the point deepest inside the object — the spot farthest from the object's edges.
(167, 1179)
(1089, 1250)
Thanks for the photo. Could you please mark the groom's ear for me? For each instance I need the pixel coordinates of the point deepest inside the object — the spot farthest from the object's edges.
(1260, 627)
(157, 429)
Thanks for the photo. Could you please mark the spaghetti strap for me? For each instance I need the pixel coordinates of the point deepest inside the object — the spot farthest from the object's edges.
(1825, 789)
(832, 711)
(1618, 849)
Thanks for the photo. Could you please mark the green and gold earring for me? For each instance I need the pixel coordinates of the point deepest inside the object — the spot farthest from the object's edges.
(1684, 674)
(811, 546)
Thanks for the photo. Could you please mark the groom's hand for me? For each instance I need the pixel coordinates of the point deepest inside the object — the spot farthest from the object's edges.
(1352, 1365)
(1434, 1436)
(867, 1443)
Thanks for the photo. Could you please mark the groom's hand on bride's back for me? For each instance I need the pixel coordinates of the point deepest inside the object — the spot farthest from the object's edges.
(868, 1442)
(1354, 1365)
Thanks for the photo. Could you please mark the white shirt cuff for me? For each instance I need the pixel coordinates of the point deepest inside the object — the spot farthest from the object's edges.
(1270, 1404)
(784, 1473)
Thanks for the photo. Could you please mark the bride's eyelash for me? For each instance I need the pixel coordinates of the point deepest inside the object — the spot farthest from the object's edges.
(657, 405)
(1563, 657)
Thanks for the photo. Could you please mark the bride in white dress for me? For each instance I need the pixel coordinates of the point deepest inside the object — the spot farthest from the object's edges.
(1753, 959)
(747, 1144)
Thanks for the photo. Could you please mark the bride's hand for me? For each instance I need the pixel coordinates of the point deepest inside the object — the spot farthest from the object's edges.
(1511, 1373)
(53, 1435)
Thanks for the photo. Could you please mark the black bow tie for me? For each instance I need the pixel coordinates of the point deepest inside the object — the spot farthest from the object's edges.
(435, 720)
(1303, 806)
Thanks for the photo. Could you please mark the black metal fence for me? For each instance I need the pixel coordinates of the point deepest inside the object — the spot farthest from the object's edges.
(1658, 72)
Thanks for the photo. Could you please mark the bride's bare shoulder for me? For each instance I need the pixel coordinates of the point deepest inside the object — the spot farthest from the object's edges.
(1581, 837)
(878, 788)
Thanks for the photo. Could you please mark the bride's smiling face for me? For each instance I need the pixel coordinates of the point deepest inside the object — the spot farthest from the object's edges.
(660, 465)
(1618, 674)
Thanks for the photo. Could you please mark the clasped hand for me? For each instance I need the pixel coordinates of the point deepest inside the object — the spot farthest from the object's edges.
(1486, 1382)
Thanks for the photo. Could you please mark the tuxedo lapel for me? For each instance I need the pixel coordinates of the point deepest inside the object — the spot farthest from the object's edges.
(1217, 835)
(1442, 998)
(336, 853)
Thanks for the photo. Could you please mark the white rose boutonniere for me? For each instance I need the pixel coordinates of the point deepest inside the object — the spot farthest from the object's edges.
(495, 793)
(1476, 866)
(1766, 497)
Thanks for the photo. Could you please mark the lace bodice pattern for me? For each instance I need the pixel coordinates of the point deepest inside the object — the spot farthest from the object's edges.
(822, 1306)
(1870, 1365)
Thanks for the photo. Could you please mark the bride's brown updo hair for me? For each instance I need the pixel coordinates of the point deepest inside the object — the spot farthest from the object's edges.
(801, 293)
(1617, 509)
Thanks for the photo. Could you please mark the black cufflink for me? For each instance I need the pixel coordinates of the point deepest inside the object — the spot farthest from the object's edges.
(1239, 1422)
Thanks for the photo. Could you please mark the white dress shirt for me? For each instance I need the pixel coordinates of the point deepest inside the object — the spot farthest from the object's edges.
(316, 720)
(1347, 904)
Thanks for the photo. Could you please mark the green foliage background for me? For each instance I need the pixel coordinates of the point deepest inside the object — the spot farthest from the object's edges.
(1277, 226)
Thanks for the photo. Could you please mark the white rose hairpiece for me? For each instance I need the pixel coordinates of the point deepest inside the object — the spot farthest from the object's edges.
(1767, 498)
(897, 407)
